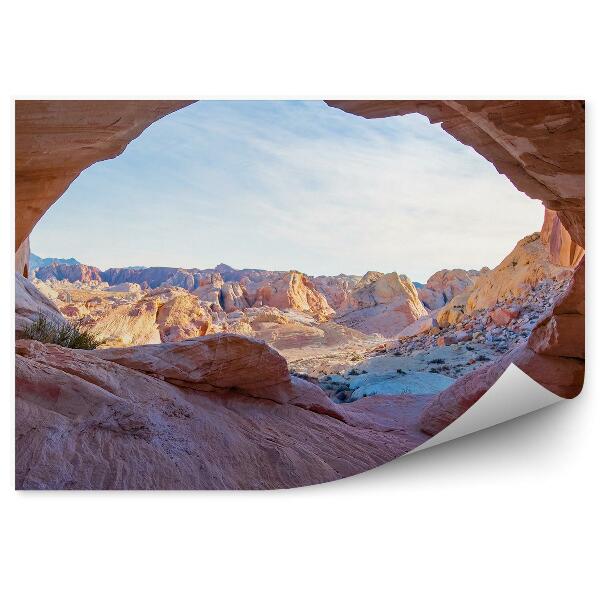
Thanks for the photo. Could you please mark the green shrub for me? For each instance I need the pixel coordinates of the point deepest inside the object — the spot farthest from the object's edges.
(51, 331)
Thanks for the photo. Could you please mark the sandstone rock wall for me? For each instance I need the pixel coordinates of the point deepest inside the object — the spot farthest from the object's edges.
(562, 249)
(444, 285)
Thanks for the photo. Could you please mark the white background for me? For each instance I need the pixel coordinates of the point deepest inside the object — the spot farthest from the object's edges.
(507, 513)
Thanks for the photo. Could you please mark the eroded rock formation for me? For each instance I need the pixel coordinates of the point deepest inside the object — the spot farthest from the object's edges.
(72, 273)
(561, 247)
(528, 263)
(30, 303)
(553, 356)
(86, 421)
(443, 285)
(540, 147)
(243, 288)
(382, 303)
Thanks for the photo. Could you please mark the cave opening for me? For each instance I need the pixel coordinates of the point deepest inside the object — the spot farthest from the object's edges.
(446, 358)
(377, 181)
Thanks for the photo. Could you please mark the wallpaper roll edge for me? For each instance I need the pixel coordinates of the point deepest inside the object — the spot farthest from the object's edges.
(513, 395)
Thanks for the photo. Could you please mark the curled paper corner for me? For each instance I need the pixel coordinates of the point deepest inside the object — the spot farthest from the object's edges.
(513, 395)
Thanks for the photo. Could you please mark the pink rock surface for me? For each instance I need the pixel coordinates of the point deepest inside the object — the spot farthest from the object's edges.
(88, 423)
(444, 285)
(562, 249)
(383, 303)
(552, 356)
(29, 303)
(219, 362)
(503, 316)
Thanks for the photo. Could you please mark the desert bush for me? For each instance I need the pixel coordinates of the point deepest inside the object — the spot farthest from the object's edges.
(47, 330)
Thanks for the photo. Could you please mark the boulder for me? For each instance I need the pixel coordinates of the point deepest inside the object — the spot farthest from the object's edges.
(384, 304)
(455, 310)
(420, 326)
(181, 318)
(444, 285)
(29, 303)
(215, 363)
(503, 316)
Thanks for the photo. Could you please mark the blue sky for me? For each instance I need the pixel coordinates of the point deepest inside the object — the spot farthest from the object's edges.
(290, 185)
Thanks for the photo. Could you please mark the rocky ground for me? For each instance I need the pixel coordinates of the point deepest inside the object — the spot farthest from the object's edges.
(432, 360)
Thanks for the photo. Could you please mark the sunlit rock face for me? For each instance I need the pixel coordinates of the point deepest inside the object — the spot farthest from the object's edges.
(291, 290)
(528, 263)
(554, 356)
(280, 289)
(30, 303)
(382, 303)
(443, 285)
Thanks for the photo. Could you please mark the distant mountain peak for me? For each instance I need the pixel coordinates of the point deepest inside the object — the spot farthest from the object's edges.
(36, 261)
(223, 268)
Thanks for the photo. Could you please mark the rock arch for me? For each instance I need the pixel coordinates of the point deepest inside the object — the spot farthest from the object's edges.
(538, 145)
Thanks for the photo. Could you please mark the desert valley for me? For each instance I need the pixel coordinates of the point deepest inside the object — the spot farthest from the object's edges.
(225, 378)
(354, 336)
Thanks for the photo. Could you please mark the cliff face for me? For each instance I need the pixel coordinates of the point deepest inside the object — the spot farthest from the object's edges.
(563, 250)
(527, 264)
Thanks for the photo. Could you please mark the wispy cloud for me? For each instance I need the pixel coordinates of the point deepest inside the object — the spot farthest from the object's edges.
(284, 185)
